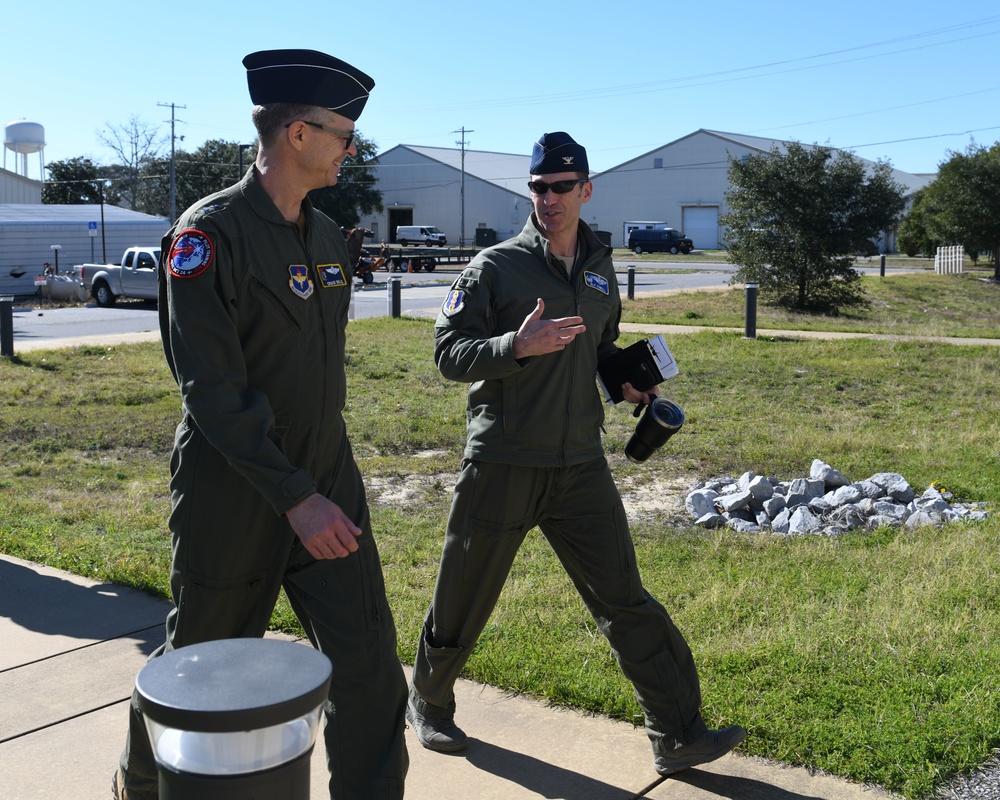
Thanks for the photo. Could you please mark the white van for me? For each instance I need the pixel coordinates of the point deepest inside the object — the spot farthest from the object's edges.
(420, 234)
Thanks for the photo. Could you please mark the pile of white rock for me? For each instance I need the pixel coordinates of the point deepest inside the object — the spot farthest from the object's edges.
(825, 503)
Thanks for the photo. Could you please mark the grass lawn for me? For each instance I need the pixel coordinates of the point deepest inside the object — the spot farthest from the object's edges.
(872, 656)
(923, 304)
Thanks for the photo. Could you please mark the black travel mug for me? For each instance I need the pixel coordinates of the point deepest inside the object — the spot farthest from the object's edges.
(661, 420)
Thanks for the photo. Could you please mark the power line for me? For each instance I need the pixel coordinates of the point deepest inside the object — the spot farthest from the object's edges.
(737, 74)
(920, 138)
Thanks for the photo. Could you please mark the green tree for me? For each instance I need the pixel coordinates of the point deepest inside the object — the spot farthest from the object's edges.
(914, 236)
(797, 217)
(77, 181)
(209, 169)
(966, 198)
(355, 193)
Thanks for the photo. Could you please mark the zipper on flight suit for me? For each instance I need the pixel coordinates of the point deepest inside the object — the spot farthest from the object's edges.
(277, 302)
(571, 281)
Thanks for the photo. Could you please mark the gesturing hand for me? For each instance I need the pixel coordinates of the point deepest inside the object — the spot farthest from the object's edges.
(538, 336)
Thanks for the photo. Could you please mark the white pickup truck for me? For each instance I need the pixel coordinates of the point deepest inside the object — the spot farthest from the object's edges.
(135, 277)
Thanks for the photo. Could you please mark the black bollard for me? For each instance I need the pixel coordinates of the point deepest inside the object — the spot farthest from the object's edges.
(750, 328)
(395, 294)
(631, 283)
(881, 269)
(7, 327)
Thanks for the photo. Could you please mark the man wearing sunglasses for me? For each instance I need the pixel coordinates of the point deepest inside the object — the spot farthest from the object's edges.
(254, 290)
(524, 326)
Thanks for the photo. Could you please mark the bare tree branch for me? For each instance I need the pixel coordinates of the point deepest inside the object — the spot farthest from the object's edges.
(135, 143)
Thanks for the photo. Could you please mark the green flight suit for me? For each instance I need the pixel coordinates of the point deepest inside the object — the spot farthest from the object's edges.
(534, 456)
(253, 314)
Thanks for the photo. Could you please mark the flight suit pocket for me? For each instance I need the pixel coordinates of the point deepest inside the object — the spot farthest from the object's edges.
(344, 600)
(222, 608)
(502, 498)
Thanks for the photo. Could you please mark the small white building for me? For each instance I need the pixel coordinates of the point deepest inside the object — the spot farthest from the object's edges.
(16, 188)
(32, 234)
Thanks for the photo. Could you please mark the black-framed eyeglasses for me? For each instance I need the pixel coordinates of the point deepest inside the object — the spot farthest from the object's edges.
(347, 137)
(559, 187)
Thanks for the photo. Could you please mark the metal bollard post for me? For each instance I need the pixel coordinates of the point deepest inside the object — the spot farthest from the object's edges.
(6, 327)
(394, 295)
(750, 328)
(881, 269)
(631, 283)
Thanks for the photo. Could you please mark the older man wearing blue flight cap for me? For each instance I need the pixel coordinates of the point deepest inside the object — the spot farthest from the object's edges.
(254, 291)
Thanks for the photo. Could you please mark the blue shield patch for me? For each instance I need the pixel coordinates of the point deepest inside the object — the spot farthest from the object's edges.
(300, 281)
(453, 303)
(595, 281)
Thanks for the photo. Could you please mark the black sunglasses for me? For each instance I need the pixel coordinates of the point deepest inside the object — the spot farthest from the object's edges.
(559, 187)
(347, 137)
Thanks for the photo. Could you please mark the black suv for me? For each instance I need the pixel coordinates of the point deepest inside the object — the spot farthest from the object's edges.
(662, 240)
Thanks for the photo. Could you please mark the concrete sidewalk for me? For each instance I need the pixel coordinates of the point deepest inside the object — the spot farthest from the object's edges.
(70, 649)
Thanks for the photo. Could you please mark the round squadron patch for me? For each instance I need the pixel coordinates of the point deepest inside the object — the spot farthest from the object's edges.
(190, 254)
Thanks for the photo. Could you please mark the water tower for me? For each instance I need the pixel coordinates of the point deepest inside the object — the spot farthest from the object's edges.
(24, 138)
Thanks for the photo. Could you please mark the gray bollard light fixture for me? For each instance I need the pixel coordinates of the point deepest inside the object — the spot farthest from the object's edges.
(235, 718)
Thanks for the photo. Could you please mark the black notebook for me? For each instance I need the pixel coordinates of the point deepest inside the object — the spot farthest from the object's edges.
(643, 364)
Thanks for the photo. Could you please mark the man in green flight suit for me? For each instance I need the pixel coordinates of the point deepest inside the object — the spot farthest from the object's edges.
(525, 325)
(254, 289)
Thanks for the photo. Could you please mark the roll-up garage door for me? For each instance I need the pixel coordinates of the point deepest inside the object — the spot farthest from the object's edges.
(701, 226)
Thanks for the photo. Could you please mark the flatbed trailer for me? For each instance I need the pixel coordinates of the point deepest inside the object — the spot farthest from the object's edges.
(415, 259)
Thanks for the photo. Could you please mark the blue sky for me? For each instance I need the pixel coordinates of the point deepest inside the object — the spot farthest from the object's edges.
(901, 80)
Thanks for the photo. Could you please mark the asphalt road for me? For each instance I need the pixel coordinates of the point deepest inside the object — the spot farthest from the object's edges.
(420, 295)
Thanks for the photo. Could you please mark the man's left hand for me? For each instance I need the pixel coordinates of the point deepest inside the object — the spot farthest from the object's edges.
(633, 395)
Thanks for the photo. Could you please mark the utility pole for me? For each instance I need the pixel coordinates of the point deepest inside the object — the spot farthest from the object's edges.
(241, 148)
(173, 171)
(463, 143)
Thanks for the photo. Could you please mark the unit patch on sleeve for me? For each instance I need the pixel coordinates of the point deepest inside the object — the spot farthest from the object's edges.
(300, 281)
(190, 254)
(595, 281)
(453, 303)
(331, 275)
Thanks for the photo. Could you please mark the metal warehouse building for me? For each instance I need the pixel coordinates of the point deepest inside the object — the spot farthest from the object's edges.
(684, 184)
(29, 232)
(681, 184)
(424, 186)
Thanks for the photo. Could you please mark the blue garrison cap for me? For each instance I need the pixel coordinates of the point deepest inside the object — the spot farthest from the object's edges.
(309, 77)
(557, 152)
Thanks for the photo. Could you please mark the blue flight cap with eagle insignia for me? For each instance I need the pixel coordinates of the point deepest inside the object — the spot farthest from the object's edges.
(557, 152)
(309, 77)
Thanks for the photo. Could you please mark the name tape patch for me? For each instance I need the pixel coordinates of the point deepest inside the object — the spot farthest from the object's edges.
(595, 281)
(331, 275)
